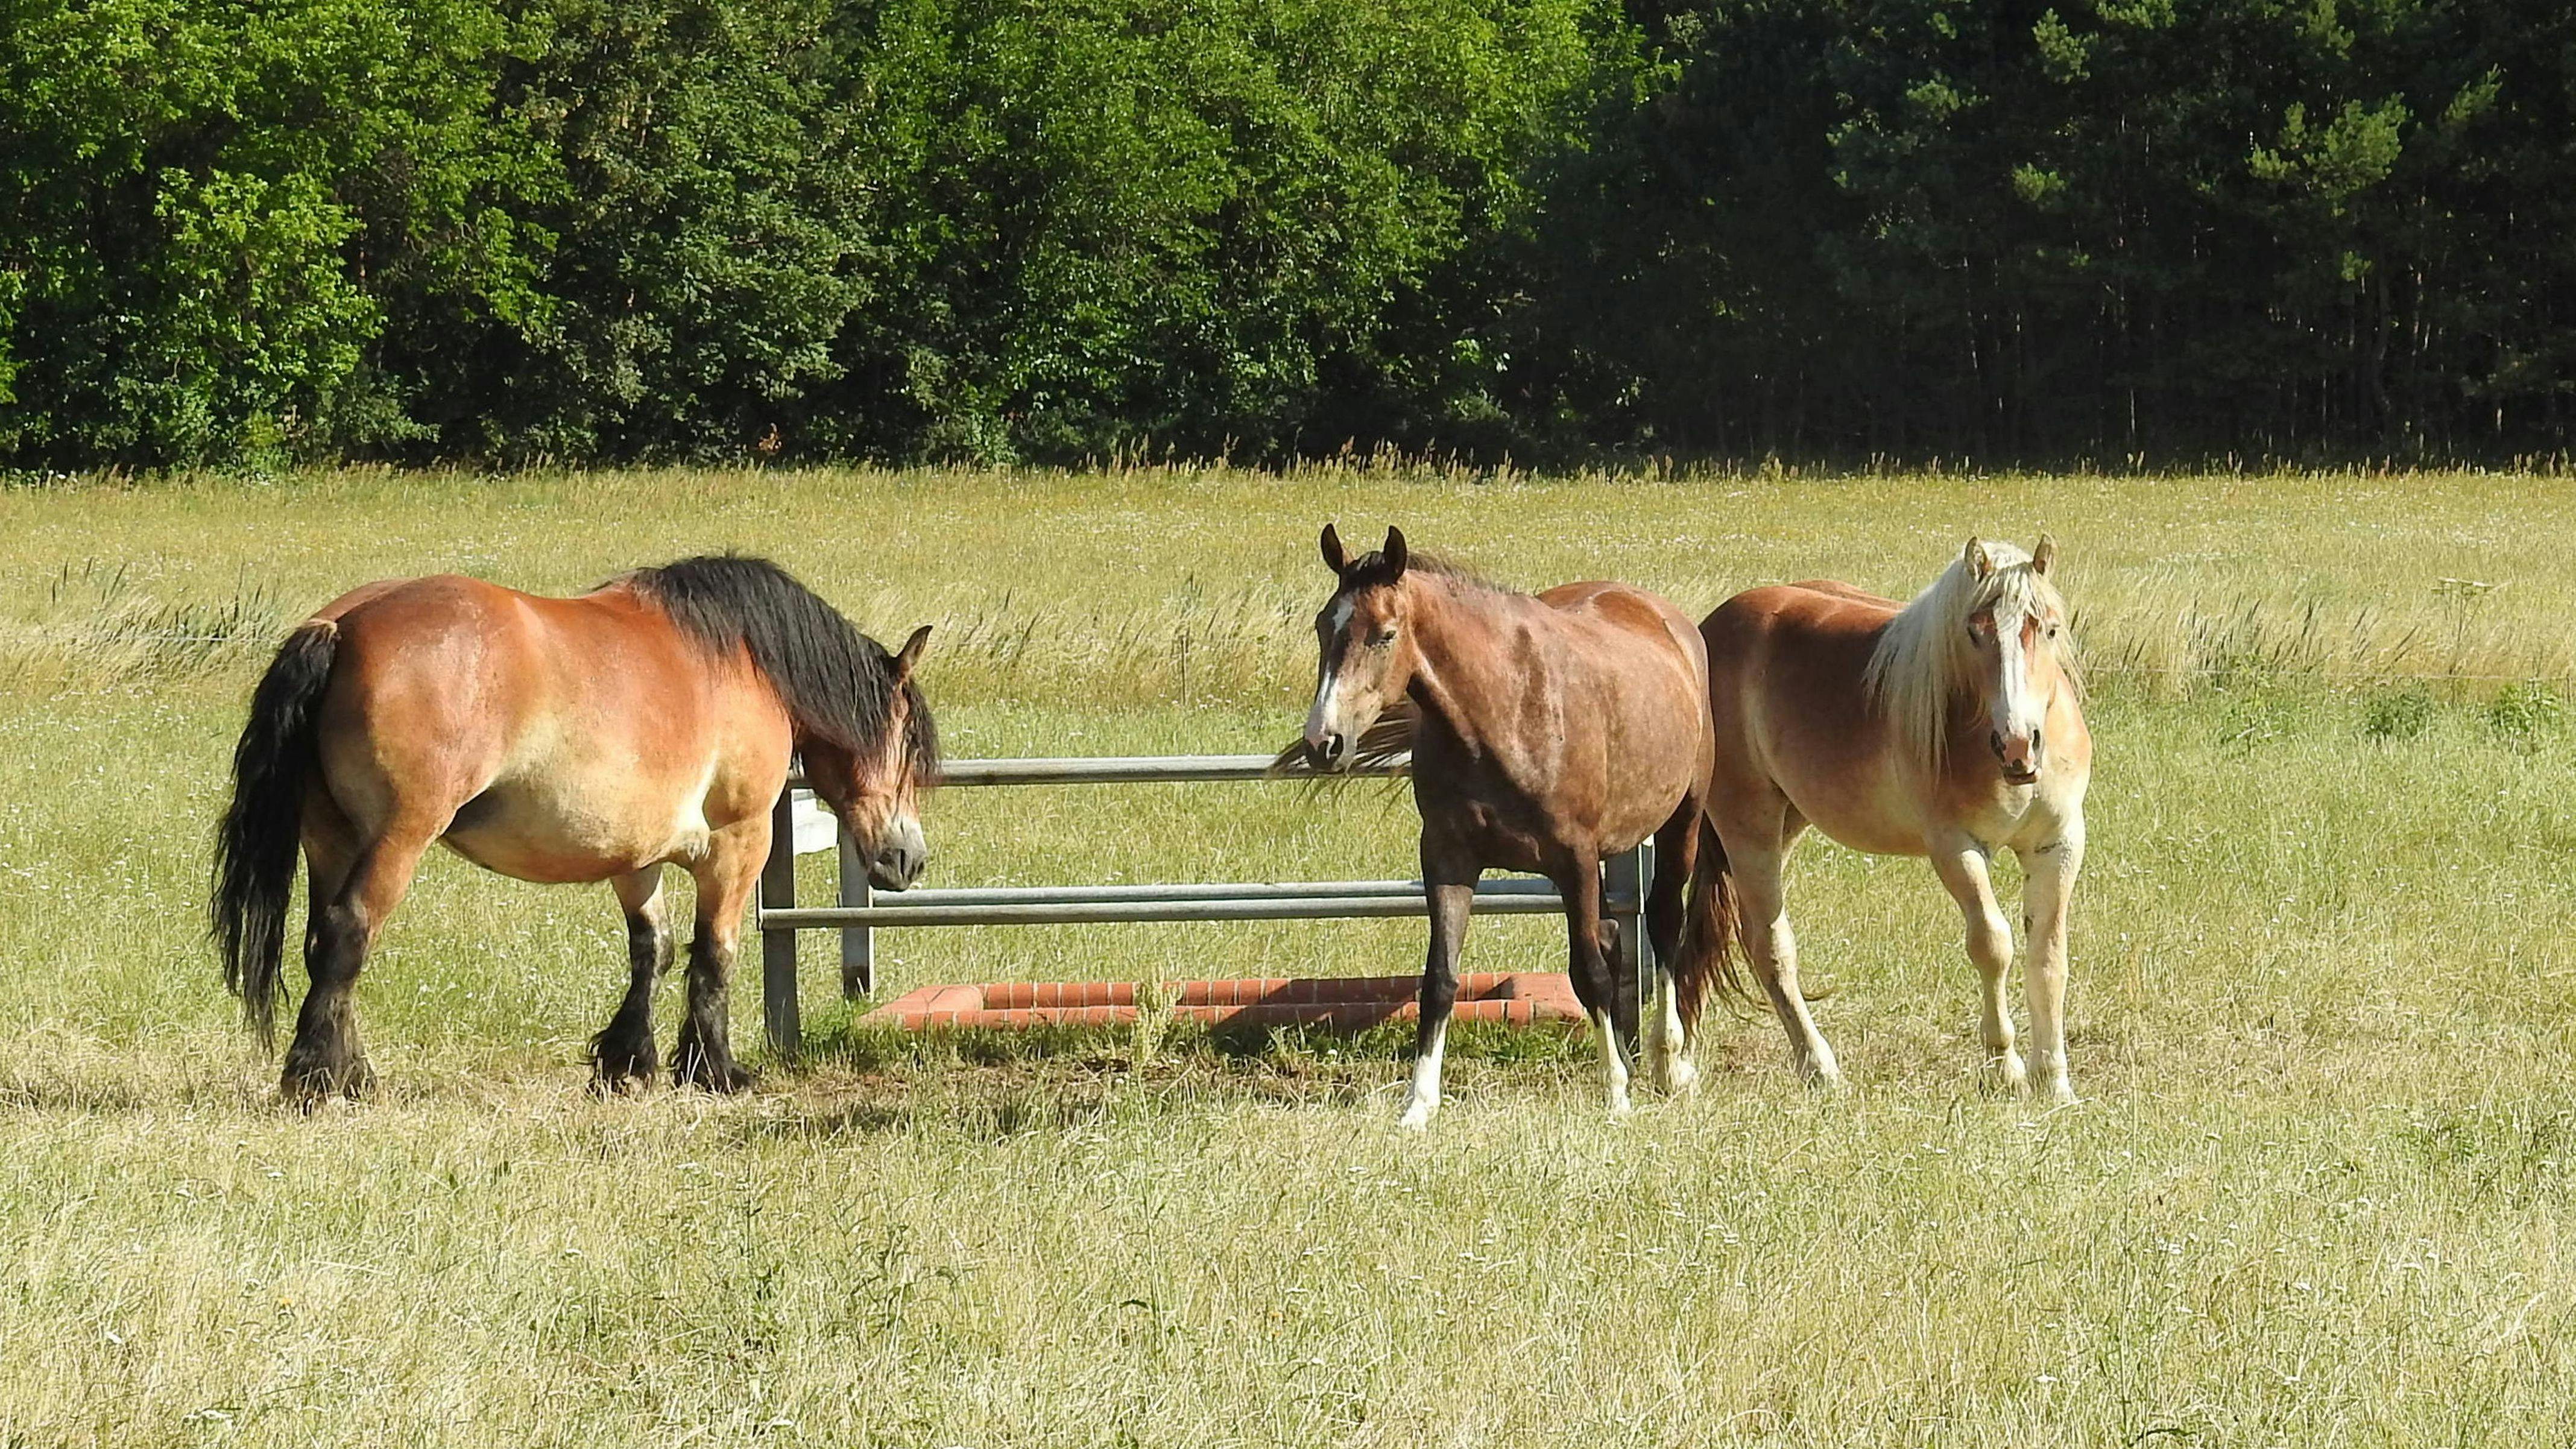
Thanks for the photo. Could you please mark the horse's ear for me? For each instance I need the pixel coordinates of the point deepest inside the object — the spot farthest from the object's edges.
(909, 655)
(2044, 555)
(1334, 558)
(1395, 551)
(1980, 563)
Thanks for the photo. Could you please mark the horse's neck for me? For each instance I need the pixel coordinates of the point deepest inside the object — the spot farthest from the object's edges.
(1465, 675)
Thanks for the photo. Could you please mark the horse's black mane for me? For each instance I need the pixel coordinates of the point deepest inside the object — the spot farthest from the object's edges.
(836, 682)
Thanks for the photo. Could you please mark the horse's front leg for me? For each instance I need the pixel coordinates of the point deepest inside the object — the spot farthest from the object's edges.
(1963, 871)
(703, 1056)
(2048, 881)
(1588, 967)
(623, 1055)
(1449, 884)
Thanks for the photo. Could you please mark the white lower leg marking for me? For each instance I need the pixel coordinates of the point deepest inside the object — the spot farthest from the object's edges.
(1614, 1072)
(1672, 1049)
(1424, 1100)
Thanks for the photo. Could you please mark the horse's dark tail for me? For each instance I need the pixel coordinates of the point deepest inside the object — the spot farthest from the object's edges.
(262, 830)
(1710, 952)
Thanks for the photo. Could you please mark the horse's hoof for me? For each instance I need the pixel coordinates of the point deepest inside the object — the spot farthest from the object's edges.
(1416, 1118)
(2005, 1075)
(722, 1078)
(309, 1086)
(622, 1082)
(624, 1071)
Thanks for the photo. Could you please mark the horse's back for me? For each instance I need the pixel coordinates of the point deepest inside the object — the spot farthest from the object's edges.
(1625, 609)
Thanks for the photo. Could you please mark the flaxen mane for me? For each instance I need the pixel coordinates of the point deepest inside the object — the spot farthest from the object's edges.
(1922, 659)
(837, 683)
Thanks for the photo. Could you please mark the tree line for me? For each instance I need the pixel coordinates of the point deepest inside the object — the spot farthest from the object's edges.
(1043, 230)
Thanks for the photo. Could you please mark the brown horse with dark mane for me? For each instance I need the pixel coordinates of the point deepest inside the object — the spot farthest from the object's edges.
(1547, 733)
(1951, 727)
(648, 722)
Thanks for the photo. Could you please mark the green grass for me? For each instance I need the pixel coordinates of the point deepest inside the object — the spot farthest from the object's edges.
(2323, 1018)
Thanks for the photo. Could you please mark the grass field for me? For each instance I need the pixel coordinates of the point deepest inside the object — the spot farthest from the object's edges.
(2323, 1017)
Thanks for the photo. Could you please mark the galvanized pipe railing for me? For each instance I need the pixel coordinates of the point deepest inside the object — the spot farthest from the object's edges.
(858, 914)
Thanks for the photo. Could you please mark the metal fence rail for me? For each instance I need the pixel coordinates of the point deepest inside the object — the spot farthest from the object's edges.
(857, 914)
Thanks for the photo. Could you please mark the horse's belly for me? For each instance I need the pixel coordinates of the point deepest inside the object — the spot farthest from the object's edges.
(1865, 810)
(554, 837)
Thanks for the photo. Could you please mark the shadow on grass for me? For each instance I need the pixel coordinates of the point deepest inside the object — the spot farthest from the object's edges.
(987, 1084)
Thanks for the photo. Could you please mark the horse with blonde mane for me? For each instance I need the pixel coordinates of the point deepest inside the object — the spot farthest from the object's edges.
(1949, 727)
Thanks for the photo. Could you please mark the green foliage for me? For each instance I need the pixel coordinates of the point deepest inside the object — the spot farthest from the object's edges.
(1192, 223)
(691, 227)
(2266, 227)
(2525, 714)
(2399, 714)
(997, 229)
(206, 210)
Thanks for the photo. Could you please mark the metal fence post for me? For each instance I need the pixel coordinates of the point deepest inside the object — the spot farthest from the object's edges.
(858, 943)
(1628, 875)
(778, 944)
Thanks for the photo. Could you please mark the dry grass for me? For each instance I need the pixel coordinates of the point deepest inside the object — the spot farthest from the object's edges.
(2318, 1192)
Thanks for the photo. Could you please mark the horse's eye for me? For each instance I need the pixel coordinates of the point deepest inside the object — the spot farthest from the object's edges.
(1382, 637)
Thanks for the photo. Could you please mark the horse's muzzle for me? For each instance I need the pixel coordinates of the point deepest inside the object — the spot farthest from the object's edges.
(2020, 758)
(1332, 755)
(899, 857)
(897, 869)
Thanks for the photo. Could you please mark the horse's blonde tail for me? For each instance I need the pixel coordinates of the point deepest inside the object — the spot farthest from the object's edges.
(1711, 949)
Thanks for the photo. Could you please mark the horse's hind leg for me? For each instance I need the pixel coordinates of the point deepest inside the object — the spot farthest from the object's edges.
(1668, 1042)
(622, 1055)
(1588, 967)
(1772, 948)
(1962, 868)
(703, 1056)
(341, 926)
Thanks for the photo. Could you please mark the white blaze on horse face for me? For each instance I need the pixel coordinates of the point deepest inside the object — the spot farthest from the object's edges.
(2017, 710)
(1324, 720)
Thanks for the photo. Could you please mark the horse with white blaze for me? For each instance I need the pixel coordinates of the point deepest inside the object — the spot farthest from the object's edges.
(1547, 732)
(1951, 727)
